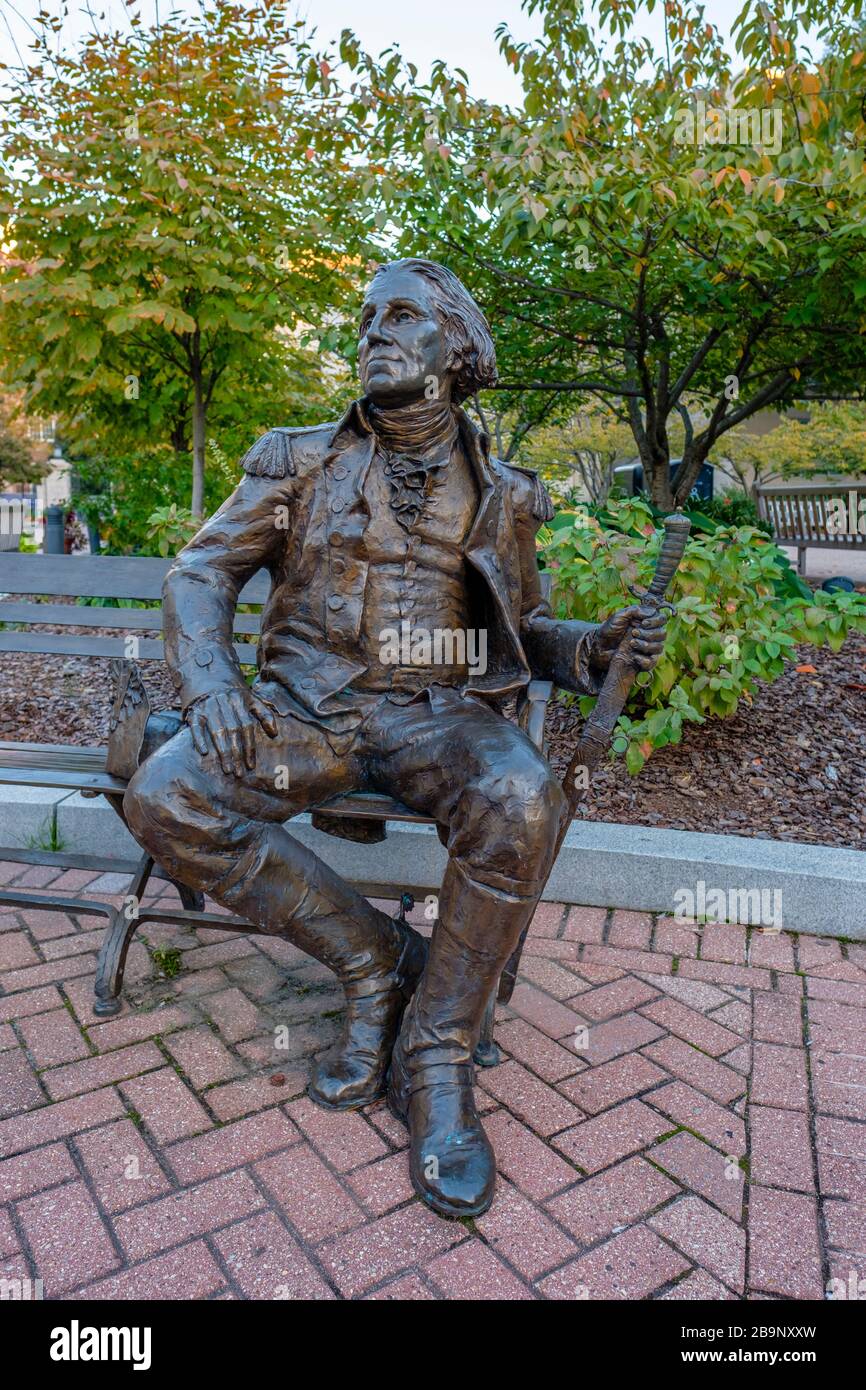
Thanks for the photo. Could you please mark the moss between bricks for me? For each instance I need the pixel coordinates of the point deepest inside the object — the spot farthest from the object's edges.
(168, 960)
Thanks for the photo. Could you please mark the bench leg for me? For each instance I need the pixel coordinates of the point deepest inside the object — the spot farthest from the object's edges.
(115, 945)
(801, 560)
(487, 1053)
(190, 898)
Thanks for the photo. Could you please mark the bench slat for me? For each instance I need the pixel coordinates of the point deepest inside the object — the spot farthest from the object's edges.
(83, 768)
(369, 805)
(99, 576)
(837, 489)
(802, 517)
(799, 515)
(68, 644)
(62, 778)
(76, 615)
(71, 756)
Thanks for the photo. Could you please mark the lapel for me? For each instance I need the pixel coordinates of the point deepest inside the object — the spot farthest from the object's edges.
(354, 432)
(491, 545)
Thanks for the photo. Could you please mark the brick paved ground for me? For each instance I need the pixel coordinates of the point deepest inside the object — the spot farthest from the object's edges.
(680, 1115)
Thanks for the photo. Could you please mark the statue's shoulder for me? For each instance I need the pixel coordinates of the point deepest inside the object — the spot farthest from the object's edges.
(527, 490)
(279, 453)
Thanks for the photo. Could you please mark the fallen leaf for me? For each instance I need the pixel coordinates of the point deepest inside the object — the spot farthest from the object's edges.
(807, 670)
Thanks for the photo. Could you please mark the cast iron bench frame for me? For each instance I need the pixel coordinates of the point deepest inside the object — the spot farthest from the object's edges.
(83, 769)
(798, 516)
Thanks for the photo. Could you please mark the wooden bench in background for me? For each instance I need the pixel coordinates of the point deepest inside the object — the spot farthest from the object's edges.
(83, 769)
(800, 515)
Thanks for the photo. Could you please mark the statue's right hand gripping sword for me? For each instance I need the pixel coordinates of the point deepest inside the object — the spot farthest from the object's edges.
(622, 671)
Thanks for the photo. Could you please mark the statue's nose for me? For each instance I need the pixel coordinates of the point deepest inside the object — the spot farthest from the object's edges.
(377, 332)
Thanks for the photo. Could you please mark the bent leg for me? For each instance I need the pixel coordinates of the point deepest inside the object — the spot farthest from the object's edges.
(223, 834)
(500, 808)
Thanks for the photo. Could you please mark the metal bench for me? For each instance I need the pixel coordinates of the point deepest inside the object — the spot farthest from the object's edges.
(83, 769)
(800, 516)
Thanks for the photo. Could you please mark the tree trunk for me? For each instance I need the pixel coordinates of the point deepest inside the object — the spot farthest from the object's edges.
(655, 456)
(199, 427)
(687, 475)
(660, 489)
(657, 477)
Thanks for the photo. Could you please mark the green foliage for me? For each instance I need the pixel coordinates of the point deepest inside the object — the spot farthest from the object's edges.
(168, 960)
(734, 509)
(117, 494)
(119, 479)
(18, 460)
(584, 450)
(737, 620)
(171, 528)
(167, 194)
(619, 250)
(47, 837)
(16, 464)
(831, 441)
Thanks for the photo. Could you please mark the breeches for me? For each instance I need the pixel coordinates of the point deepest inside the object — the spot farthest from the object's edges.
(493, 796)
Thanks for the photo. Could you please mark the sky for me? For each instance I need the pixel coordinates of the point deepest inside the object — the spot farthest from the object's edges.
(462, 32)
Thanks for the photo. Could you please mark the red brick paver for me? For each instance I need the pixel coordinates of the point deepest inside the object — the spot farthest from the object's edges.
(678, 1114)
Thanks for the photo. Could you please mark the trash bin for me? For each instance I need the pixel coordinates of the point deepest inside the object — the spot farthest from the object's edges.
(55, 518)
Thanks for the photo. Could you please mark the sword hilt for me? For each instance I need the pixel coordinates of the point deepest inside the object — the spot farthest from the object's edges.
(677, 527)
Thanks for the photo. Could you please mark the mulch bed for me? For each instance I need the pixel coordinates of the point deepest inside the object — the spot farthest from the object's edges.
(792, 765)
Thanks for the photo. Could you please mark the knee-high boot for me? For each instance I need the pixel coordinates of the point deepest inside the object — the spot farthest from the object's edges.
(432, 1076)
(287, 890)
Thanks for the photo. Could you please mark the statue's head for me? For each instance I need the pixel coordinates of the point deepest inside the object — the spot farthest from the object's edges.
(422, 335)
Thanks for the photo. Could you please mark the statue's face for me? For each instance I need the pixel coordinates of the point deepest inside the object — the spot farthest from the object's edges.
(402, 355)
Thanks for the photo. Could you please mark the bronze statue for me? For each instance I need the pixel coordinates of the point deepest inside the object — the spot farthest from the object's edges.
(405, 607)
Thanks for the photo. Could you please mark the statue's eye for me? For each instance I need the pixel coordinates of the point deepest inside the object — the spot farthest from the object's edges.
(404, 315)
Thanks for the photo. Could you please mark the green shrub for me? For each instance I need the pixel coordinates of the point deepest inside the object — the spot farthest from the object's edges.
(733, 508)
(740, 611)
(118, 495)
(170, 528)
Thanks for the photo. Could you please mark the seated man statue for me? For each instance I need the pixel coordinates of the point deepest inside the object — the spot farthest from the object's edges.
(396, 519)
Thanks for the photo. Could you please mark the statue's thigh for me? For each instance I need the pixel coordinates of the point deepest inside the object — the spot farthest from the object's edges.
(429, 756)
(294, 770)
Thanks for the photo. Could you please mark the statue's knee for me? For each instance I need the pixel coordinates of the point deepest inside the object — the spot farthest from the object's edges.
(144, 804)
(535, 805)
(510, 820)
(160, 803)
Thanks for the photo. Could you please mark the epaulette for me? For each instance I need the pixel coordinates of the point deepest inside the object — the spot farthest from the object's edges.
(542, 505)
(271, 456)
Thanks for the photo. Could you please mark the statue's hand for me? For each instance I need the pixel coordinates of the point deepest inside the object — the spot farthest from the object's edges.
(227, 721)
(647, 628)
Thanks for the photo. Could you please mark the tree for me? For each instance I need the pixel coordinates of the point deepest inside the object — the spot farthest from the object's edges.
(120, 479)
(169, 197)
(648, 226)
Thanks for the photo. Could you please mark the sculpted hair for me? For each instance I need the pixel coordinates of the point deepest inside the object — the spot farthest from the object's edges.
(467, 332)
